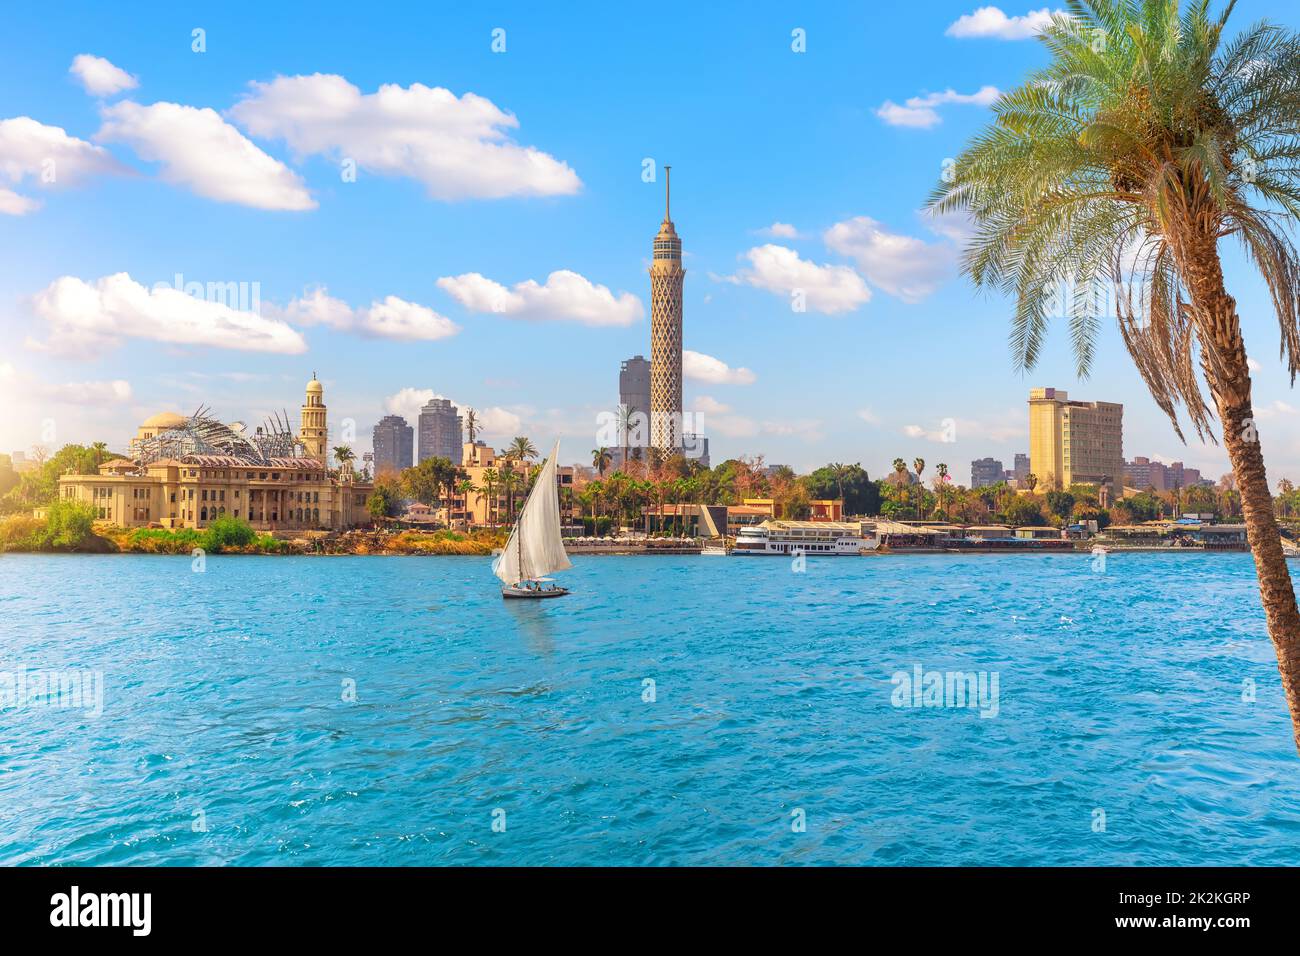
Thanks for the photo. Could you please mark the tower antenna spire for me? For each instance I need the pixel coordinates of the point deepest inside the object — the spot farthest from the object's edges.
(668, 193)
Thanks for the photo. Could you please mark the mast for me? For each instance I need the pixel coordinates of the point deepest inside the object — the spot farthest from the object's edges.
(519, 542)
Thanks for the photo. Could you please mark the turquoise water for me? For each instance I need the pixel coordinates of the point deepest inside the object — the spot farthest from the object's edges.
(225, 737)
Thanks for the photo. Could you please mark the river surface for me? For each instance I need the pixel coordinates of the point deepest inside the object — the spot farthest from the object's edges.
(672, 710)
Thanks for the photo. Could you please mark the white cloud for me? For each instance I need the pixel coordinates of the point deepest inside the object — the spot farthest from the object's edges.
(204, 153)
(958, 226)
(12, 204)
(705, 368)
(868, 416)
(709, 405)
(731, 426)
(99, 77)
(826, 288)
(47, 156)
(87, 317)
(493, 421)
(903, 266)
(389, 318)
(780, 230)
(806, 429)
(1003, 429)
(317, 307)
(395, 318)
(565, 296)
(920, 112)
(1253, 365)
(457, 147)
(18, 387)
(88, 393)
(1275, 409)
(992, 22)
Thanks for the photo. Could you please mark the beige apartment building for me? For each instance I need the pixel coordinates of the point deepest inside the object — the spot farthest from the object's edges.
(1072, 442)
(479, 508)
(187, 472)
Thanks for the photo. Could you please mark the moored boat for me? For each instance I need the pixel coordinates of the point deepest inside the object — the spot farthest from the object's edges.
(811, 538)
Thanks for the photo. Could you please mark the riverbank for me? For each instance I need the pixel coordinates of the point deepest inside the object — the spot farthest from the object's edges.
(26, 535)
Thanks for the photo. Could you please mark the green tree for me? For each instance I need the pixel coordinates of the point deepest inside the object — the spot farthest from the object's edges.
(600, 460)
(1148, 138)
(850, 483)
(226, 532)
(1024, 510)
(522, 449)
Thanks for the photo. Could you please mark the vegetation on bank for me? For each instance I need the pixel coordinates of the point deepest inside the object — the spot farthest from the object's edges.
(66, 526)
(70, 527)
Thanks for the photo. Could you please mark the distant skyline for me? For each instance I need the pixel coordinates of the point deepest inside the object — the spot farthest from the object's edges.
(460, 204)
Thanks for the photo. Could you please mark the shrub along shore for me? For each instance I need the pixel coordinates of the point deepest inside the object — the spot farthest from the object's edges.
(70, 528)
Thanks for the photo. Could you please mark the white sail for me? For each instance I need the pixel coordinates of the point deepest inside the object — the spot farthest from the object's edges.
(536, 547)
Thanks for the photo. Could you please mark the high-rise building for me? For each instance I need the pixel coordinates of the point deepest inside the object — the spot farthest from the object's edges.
(1022, 469)
(1072, 442)
(634, 385)
(1143, 473)
(985, 471)
(394, 444)
(666, 275)
(440, 431)
(314, 429)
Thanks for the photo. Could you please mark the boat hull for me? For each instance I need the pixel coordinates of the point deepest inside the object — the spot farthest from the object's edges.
(526, 594)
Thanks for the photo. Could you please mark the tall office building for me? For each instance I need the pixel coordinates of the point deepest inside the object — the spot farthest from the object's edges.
(634, 384)
(394, 444)
(1074, 442)
(666, 275)
(440, 431)
(984, 472)
(1022, 469)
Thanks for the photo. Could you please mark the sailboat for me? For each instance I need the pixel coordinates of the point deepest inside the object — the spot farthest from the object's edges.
(535, 547)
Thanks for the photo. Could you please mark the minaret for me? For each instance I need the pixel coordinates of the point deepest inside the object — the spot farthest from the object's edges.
(666, 275)
(314, 432)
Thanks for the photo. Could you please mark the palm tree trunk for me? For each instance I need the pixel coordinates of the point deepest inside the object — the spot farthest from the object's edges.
(1230, 385)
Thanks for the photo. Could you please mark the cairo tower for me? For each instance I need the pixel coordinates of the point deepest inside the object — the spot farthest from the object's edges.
(666, 275)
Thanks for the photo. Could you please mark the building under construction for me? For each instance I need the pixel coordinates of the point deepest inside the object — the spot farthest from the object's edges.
(185, 472)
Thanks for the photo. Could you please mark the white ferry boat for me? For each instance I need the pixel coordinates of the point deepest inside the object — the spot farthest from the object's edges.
(805, 537)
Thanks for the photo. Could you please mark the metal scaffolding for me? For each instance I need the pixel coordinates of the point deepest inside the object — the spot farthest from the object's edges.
(202, 434)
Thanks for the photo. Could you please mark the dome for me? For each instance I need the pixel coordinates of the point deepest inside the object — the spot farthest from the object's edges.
(165, 420)
(314, 387)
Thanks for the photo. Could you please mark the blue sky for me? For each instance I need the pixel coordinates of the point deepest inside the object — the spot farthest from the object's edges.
(245, 183)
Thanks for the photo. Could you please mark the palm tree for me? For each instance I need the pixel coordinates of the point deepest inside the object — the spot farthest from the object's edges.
(941, 484)
(522, 449)
(344, 455)
(100, 450)
(471, 424)
(465, 487)
(490, 480)
(626, 415)
(839, 471)
(600, 460)
(1146, 139)
(1031, 482)
(918, 465)
(510, 480)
